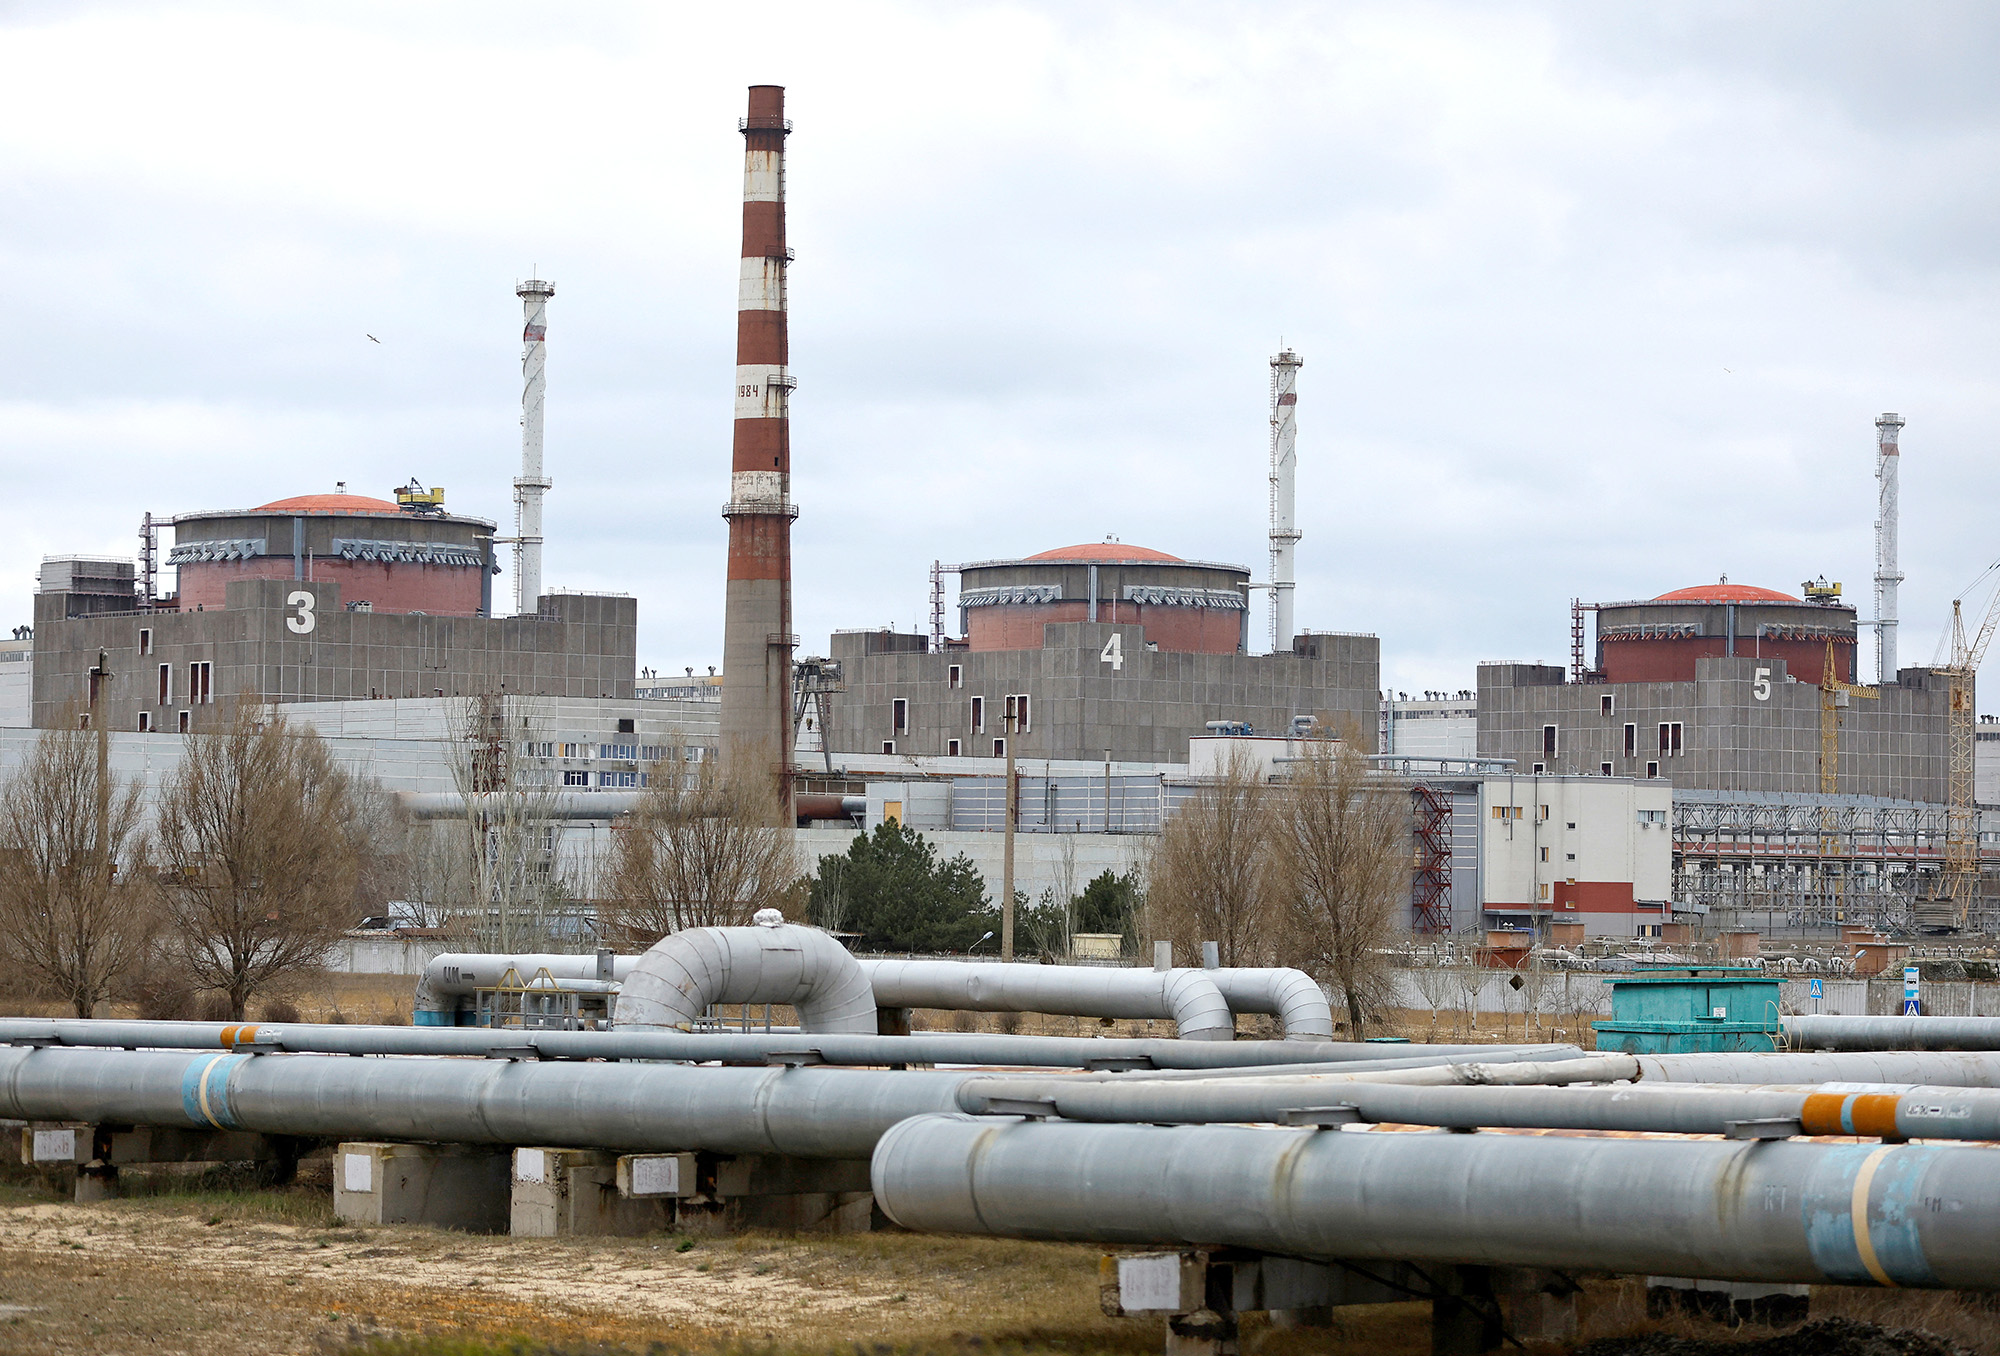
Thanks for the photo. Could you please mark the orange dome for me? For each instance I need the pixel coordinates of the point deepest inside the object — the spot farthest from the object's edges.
(1106, 550)
(1725, 593)
(328, 503)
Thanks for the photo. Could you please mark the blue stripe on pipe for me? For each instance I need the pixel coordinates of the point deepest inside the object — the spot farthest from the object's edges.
(205, 1090)
(1860, 1211)
(427, 1017)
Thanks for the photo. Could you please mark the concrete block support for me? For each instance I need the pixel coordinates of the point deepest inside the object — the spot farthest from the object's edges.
(565, 1193)
(453, 1186)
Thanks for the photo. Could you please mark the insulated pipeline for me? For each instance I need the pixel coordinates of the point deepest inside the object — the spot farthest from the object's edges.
(811, 1113)
(1893, 1033)
(1915, 1113)
(1064, 1052)
(1189, 997)
(1289, 995)
(1909, 1215)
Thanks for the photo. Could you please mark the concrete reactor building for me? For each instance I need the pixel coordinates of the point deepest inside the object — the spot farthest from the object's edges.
(1094, 651)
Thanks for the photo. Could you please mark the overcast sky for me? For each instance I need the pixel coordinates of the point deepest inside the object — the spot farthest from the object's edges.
(1594, 300)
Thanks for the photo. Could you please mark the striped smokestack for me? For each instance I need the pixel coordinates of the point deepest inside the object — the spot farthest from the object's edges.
(757, 639)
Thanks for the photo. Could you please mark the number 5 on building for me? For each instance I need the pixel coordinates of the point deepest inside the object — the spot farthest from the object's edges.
(1113, 652)
(1760, 686)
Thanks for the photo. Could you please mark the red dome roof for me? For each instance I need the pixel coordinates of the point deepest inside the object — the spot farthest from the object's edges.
(328, 503)
(1106, 550)
(1725, 593)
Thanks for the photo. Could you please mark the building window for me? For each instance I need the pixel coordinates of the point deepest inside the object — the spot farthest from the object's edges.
(1017, 712)
(1670, 738)
(999, 748)
(201, 691)
(951, 747)
(1605, 703)
(1506, 812)
(1542, 891)
(576, 778)
(1543, 814)
(83, 721)
(979, 715)
(1652, 769)
(888, 746)
(166, 685)
(145, 640)
(1545, 854)
(1548, 741)
(185, 717)
(1538, 769)
(628, 727)
(621, 753)
(954, 676)
(617, 779)
(899, 716)
(1631, 740)
(1604, 769)
(145, 721)
(578, 750)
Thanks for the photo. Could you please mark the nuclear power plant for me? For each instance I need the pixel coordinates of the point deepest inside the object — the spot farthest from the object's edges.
(1790, 798)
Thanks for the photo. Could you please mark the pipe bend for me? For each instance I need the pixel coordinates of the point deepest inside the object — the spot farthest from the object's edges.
(683, 973)
(1197, 1006)
(1292, 996)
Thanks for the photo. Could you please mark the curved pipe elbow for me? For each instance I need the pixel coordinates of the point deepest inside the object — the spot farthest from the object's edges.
(1197, 1006)
(676, 981)
(1292, 996)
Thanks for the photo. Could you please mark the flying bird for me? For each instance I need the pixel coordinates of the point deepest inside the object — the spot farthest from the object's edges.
(373, 337)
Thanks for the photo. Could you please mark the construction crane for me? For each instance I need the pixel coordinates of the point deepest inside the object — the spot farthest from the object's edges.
(1961, 834)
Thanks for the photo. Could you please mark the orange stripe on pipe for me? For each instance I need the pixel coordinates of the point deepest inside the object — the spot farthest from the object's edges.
(1821, 1114)
(1874, 1113)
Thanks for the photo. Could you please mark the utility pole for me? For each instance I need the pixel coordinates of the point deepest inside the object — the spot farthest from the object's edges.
(1008, 724)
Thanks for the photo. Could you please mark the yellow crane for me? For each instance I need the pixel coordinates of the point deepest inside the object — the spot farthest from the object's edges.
(1961, 833)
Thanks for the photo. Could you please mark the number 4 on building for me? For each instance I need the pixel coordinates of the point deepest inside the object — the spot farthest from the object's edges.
(1113, 652)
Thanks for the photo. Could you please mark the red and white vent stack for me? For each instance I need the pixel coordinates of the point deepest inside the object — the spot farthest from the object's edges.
(757, 640)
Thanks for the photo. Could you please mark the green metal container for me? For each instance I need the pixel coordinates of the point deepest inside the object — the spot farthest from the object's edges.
(1676, 1010)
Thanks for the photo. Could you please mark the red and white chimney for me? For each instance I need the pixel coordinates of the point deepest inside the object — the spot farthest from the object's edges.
(757, 639)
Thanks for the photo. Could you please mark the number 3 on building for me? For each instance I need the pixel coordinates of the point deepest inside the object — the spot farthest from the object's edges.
(1113, 652)
(304, 620)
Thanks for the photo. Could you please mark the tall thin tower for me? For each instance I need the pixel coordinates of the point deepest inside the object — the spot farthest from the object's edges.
(1284, 473)
(1888, 457)
(531, 484)
(757, 638)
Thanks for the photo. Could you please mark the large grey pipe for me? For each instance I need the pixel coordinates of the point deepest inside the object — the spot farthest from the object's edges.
(1065, 1052)
(1892, 1033)
(1292, 996)
(1914, 1215)
(674, 983)
(1189, 997)
(814, 1113)
(1746, 1112)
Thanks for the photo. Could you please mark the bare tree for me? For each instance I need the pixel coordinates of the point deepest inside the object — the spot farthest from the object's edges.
(261, 847)
(1206, 881)
(1339, 870)
(73, 911)
(698, 851)
(492, 875)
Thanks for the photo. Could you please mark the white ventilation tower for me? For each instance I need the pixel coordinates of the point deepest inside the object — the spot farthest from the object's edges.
(1284, 475)
(531, 484)
(1888, 428)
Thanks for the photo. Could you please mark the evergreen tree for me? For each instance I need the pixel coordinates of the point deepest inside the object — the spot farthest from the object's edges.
(891, 887)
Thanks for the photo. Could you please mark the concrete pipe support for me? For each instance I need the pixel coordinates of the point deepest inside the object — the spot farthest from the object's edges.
(1189, 997)
(1784, 1212)
(674, 983)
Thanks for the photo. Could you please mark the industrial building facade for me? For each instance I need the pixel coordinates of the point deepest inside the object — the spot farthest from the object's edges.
(1091, 690)
(288, 641)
